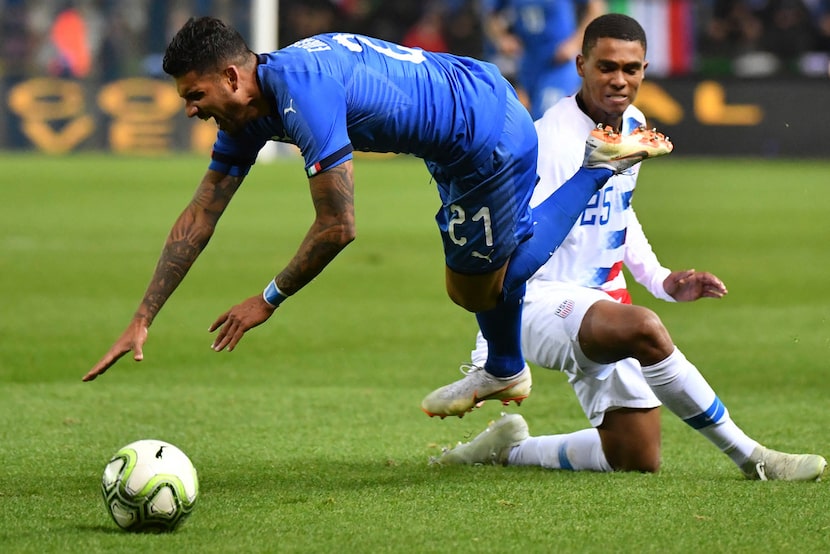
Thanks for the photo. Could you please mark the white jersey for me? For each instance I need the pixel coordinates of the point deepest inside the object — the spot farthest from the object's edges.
(608, 234)
(585, 269)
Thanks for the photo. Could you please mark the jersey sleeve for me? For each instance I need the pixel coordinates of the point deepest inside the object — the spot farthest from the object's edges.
(640, 258)
(313, 109)
(642, 262)
(234, 155)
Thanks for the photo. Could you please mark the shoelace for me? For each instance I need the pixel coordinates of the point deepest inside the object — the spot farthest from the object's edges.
(466, 369)
(760, 469)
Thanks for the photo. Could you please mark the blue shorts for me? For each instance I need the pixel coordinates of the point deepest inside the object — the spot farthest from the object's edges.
(486, 214)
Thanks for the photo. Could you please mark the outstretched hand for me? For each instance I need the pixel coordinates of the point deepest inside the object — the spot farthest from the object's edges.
(132, 339)
(236, 321)
(689, 285)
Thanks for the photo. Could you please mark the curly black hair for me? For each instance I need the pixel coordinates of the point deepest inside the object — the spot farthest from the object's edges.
(203, 45)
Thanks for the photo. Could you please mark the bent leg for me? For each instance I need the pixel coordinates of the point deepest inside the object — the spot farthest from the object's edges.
(631, 439)
(577, 451)
(610, 331)
(500, 323)
(684, 391)
(475, 292)
(628, 439)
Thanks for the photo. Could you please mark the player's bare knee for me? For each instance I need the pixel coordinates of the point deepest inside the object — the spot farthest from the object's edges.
(473, 303)
(476, 292)
(631, 439)
(651, 337)
(641, 460)
(648, 463)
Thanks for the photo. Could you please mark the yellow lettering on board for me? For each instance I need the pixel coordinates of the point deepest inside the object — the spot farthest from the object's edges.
(142, 110)
(658, 105)
(711, 107)
(53, 113)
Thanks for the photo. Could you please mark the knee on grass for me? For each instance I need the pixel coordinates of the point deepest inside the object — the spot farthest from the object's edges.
(644, 462)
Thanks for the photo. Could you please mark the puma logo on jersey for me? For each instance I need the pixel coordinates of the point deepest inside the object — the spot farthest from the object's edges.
(289, 109)
(477, 254)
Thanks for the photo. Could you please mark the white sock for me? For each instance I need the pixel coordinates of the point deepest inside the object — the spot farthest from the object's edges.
(577, 451)
(683, 390)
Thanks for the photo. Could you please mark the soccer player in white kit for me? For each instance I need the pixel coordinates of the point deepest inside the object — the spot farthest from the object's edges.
(578, 317)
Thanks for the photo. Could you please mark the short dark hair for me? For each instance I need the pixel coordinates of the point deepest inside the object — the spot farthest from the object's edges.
(612, 25)
(202, 45)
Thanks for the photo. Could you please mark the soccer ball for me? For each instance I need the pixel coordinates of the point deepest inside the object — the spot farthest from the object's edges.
(149, 485)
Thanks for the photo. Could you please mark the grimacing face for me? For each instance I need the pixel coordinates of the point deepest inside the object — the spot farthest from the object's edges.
(612, 73)
(213, 95)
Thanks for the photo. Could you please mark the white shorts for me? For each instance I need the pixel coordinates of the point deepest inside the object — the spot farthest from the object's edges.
(551, 318)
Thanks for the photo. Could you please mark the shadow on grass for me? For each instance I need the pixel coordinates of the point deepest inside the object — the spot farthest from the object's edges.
(107, 529)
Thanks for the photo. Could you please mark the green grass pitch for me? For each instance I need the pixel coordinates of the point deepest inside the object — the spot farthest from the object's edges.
(309, 437)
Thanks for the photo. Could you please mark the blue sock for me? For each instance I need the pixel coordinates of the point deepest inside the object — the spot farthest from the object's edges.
(552, 221)
(502, 328)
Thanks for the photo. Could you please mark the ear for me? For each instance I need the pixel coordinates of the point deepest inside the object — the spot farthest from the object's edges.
(231, 73)
(580, 65)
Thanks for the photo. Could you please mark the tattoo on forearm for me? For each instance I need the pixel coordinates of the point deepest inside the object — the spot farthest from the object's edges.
(217, 195)
(332, 230)
(188, 237)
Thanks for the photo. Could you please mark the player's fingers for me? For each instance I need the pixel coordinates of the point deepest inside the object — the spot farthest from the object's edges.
(715, 285)
(711, 278)
(102, 366)
(223, 337)
(237, 336)
(712, 291)
(680, 278)
(684, 275)
(93, 373)
(219, 321)
(232, 333)
(219, 342)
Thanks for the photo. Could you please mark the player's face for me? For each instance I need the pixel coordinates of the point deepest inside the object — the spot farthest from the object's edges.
(611, 76)
(213, 95)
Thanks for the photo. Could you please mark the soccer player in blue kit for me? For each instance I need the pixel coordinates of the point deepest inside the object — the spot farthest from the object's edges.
(545, 36)
(334, 93)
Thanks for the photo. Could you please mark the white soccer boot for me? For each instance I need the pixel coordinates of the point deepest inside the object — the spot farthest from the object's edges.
(462, 396)
(611, 150)
(491, 446)
(770, 465)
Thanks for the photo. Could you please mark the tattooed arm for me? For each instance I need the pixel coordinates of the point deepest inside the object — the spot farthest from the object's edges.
(332, 193)
(188, 237)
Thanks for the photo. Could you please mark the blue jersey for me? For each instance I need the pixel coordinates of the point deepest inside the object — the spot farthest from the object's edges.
(334, 93)
(542, 26)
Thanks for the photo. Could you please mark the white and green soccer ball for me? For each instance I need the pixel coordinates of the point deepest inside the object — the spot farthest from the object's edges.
(150, 485)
